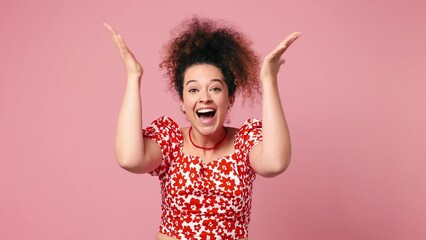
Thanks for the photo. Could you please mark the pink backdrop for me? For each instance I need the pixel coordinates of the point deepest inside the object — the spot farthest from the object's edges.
(353, 90)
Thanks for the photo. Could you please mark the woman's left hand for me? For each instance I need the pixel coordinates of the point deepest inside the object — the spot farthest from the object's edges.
(273, 61)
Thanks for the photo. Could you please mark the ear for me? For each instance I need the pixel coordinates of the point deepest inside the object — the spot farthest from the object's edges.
(231, 101)
(182, 109)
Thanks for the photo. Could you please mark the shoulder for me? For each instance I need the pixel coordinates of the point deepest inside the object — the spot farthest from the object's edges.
(250, 124)
(162, 127)
(164, 122)
(249, 134)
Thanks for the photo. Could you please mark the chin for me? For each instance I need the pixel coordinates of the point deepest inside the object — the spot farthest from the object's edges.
(207, 129)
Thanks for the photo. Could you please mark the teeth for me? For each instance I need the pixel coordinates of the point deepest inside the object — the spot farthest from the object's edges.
(206, 110)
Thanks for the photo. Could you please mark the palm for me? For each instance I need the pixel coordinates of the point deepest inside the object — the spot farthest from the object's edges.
(273, 61)
(133, 67)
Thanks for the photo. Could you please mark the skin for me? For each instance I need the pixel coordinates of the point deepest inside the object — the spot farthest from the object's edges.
(205, 88)
(272, 156)
(269, 158)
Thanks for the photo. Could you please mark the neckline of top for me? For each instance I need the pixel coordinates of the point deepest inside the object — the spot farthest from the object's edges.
(200, 159)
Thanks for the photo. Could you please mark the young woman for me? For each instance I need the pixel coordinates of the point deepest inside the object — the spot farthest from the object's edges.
(206, 170)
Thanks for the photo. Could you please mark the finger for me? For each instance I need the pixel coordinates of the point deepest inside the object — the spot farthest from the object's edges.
(289, 40)
(120, 43)
(110, 29)
(282, 47)
(115, 36)
(118, 39)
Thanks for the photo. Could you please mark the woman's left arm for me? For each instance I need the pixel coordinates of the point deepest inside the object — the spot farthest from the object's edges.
(272, 156)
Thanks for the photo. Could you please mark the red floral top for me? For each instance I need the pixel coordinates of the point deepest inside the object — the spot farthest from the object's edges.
(204, 201)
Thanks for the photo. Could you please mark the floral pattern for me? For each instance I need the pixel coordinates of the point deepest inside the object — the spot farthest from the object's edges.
(204, 201)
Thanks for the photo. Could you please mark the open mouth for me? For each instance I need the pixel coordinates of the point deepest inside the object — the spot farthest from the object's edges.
(206, 114)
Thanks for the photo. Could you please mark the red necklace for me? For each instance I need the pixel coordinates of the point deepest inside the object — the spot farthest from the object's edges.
(207, 148)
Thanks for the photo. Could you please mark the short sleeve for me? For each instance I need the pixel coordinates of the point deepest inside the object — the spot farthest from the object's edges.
(250, 134)
(162, 131)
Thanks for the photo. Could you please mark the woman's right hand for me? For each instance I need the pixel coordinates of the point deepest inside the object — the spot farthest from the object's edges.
(133, 67)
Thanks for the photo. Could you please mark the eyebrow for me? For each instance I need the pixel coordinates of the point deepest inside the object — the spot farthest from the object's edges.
(213, 80)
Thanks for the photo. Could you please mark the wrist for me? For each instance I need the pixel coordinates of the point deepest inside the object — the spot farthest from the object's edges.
(133, 82)
(134, 77)
(269, 81)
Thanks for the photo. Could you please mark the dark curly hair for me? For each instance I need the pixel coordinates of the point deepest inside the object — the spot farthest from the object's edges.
(205, 41)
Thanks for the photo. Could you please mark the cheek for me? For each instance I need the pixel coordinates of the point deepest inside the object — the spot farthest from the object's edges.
(187, 102)
(224, 103)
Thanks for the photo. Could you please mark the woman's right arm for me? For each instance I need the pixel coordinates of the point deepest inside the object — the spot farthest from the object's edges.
(133, 152)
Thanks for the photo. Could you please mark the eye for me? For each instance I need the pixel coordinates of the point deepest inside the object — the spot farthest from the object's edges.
(193, 90)
(216, 89)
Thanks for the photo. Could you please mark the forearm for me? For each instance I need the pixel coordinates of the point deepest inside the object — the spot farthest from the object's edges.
(276, 147)
(129, 145)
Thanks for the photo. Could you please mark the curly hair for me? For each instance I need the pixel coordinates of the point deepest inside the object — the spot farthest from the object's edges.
(205, 41)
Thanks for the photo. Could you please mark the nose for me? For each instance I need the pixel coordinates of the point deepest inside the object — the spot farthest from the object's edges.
(204, 96)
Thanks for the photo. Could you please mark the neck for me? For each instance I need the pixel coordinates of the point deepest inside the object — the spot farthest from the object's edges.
(204, 143)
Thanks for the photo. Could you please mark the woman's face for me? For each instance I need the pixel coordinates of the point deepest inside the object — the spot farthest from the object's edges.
(205, 98)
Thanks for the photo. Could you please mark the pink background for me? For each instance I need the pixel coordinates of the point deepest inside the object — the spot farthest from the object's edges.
(353, 90)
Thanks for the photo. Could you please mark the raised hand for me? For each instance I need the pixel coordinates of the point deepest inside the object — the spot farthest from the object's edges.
(272, 156)
(133, 67)
(273, 61)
